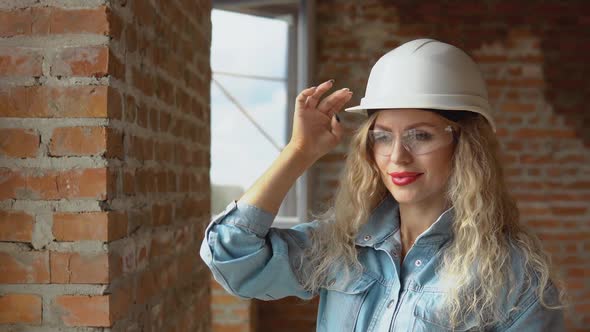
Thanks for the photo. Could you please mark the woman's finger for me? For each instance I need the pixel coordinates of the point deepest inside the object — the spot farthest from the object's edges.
(337, 98)
(340, 102)
(312, 101)
(302, 97)
(337, 129)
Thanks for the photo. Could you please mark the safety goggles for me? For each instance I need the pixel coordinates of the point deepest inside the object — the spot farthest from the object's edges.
(417, 141)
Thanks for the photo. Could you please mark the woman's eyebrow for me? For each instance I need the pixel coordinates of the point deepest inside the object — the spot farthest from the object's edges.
(408, 127)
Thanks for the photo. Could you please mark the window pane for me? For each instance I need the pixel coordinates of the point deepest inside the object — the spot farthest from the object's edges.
(248, 44)
(265, 101)
(240, 152)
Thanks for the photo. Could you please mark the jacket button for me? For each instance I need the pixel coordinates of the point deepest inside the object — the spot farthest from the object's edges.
(332, 282)
(390, 304)
(368, 237)
(418, 262)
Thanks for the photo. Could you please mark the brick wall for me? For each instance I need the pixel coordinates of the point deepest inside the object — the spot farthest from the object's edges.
(104, 163)
(534, 58)
(231, 313)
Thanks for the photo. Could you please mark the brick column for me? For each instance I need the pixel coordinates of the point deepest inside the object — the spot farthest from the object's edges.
(104, 162)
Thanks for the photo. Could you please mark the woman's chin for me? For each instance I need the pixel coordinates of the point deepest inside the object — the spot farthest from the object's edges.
(405, 197)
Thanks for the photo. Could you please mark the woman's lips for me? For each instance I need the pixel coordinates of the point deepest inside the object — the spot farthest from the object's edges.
(404, 180)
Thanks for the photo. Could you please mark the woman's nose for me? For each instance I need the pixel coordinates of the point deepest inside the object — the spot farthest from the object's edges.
(399, 154)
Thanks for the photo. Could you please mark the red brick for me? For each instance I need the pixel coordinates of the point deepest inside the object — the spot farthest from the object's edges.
(129, 183)
(53, 102)
(565, 237)
(118, 225)
(543, 133)
(113, 187)
(131, 38)
(24, 267)
(582, 308)
(115, 24)
(98, 226)
(161, 214)
(116, 67)
(143, 12)
(51, 185)
(11, 183)
(80, 310)
(16, 226)
(161, 182)
(144, 81)
(15, 22)
(143, 254)
(78, 141)
(569, 211)
(146, 286)
(115, 147)
(560, 171)
(544, 223)
(162, 244)
(88, 183)
(534, 159)
(20, 62)
(115, 106)
(26, 21)
(79, 20)
(76, 268)
(518, 108)
(142, 116)
(583, 272)
(121, 300)
(19, 143)
(21, 308)
(81, 61)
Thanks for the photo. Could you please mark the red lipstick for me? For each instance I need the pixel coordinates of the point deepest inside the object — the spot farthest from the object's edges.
(404, 178)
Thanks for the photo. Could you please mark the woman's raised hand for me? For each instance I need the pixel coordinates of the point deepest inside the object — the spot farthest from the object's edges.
(315, 128)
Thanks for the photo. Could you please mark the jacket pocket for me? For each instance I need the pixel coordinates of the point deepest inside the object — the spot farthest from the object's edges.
(343, 303)
(429, 316)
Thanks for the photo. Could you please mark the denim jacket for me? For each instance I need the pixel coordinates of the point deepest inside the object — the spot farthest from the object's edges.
(251, 259)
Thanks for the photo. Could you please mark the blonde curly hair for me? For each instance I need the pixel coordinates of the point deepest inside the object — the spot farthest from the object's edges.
(486, 228)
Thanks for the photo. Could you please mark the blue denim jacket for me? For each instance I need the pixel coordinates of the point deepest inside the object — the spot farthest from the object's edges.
(251, 259)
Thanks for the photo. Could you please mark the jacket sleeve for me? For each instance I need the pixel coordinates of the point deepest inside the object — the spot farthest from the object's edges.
(250, 259)
(535, 317)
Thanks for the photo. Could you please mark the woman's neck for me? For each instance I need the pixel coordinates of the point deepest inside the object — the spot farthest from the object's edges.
(416, 218)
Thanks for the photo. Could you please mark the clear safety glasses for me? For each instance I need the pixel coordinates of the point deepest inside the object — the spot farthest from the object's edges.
(417, 141)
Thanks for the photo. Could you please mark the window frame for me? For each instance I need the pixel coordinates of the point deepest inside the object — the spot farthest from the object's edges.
(300, 63)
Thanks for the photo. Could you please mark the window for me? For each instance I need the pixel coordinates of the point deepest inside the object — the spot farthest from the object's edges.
(260, 60)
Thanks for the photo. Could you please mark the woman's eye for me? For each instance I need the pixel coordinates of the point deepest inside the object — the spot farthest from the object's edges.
(423, 136)
(418, 135)
(380, 137)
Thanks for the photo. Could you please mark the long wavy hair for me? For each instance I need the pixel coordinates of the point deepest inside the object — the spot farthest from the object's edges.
(486, 226)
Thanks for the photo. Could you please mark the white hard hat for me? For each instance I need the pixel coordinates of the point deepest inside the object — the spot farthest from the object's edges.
(426, 73)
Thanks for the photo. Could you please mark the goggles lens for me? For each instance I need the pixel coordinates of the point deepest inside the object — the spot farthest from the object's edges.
(416, 140)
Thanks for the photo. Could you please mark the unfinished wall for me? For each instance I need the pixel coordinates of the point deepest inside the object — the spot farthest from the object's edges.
(534, 58)
(104, 163)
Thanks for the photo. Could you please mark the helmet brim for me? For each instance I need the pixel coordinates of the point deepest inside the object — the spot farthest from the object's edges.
(363, 110)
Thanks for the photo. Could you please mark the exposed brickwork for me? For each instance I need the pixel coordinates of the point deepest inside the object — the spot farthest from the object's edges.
(104, 165)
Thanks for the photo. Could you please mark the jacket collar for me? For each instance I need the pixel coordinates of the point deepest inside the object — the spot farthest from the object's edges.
(384, 221)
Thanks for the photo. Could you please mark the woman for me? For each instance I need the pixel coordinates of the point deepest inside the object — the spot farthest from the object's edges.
(423, 234)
